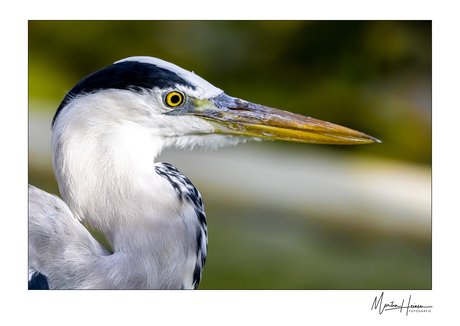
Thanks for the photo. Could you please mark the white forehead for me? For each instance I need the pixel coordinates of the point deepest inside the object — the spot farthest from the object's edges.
(203, 88)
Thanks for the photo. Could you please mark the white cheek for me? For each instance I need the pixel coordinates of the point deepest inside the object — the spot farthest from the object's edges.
(176, 126)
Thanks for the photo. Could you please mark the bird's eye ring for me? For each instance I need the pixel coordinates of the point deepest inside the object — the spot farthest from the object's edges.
(174, 99)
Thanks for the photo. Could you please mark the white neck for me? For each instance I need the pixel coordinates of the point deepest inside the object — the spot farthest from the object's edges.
(106, 175)
(103, 161)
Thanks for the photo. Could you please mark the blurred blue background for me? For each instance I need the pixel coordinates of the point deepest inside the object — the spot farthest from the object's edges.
(282, 215)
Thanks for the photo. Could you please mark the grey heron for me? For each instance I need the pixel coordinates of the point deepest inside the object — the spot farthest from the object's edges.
(106, 134)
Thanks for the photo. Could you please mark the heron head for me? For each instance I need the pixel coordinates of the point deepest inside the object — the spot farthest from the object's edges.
(185, 110)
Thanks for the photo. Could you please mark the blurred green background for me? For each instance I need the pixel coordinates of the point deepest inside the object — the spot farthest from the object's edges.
(282, 215)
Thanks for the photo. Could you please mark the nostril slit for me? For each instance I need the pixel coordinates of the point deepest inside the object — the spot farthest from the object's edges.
(239, 109)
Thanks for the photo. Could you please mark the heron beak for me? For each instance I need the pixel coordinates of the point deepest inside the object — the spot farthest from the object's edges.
(234, 116)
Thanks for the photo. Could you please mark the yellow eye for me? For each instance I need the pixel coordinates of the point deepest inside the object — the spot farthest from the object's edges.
(174, 99)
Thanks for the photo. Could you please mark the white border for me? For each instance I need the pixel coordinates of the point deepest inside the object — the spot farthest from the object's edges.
(226, 307)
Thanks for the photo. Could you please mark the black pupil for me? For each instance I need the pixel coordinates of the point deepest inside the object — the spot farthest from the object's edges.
(175, 99)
